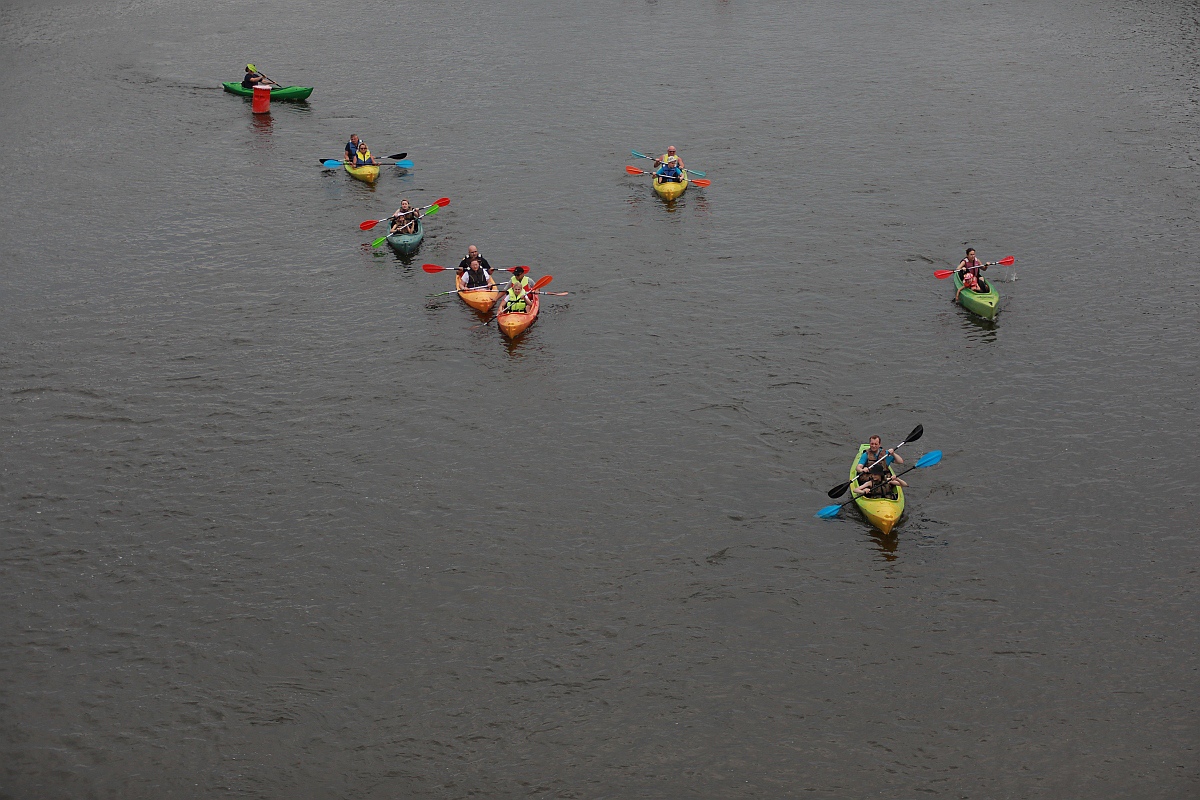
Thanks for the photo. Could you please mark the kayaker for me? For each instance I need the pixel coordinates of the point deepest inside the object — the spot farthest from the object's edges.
(472, 253)
(969, 281)
(476, 277)
(363, 157)
(352, 147)
(876, 475)
(404, 221)
(517, 292)
(253, 77)
(970, 265)
(670, 165)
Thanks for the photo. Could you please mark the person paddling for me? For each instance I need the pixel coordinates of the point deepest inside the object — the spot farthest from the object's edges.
(363, 157)
(472, 253)
(518, 289)
(404, 221)
(253, 78)
(352, 147)
(476, 277)
(670, 166)
(968, 272)
(874, 477)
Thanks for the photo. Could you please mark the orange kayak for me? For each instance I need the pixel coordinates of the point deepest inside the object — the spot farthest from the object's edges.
(513, 324)
(479, 299)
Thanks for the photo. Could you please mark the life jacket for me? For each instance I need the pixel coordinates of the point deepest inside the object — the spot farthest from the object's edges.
(666, 159)
(879, 469)
(971, 282)
(973, 266)
(473, 282)
(361, 158)
(516, 294)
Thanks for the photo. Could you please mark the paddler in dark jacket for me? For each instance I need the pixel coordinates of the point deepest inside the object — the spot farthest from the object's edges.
(253, 78)
(476, 277)
(473, 252)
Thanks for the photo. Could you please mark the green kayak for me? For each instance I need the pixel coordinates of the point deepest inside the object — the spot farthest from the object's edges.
(985, 304)
(286, 93)
(407, 243)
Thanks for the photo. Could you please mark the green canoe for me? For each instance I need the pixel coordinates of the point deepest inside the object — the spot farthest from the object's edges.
(407, 243)
(286, 93)
(985, 304)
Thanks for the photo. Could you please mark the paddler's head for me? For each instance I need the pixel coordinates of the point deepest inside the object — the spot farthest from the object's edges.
(251, 68)
(875, 442)
(518, 272)
(472, 251)
(404, 206)
(970, 252)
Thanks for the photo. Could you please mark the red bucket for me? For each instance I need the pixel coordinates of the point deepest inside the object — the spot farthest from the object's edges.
(262, 99)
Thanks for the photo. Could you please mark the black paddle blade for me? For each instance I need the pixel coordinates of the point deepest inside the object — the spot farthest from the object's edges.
(838, 490)
(917, 432)
(397, 156)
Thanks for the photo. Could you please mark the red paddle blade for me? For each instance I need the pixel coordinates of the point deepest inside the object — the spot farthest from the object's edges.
(635, 171)
(542, 281)
(1008, 261)
(701, 182)
(942, 273)
(442, 201)
(431, 268)
(366, 226)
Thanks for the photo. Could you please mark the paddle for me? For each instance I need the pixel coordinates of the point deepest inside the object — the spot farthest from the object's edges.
(432, 268)
(696, 182)
(1007, 261)
(927, 460)
(695, 172)
(333, 163)
(383, 238)
(371, 223)
(841, 488)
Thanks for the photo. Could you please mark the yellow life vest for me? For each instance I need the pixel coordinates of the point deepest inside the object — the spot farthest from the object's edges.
(361, 158)
(516, 293)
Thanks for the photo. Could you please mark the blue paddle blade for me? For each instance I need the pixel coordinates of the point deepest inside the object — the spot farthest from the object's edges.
(695, 173)
(405, 163)
(929, 459)
(636, 154)
(829, 512)
(331, 164)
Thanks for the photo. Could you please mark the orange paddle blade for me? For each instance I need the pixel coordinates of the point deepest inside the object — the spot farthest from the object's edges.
(432, 268)
(701, 182)
(635, 171)
(1008, 261)
(371, 223)
(442, 201)
(542, 281)
(941, 274)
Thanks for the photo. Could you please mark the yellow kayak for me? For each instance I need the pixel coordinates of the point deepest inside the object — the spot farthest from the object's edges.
(669, 190)
(881, 512)
(367, 173)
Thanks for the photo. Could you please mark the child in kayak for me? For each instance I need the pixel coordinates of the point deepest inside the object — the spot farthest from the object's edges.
(517, 291)
(670, 166)
(404, 221)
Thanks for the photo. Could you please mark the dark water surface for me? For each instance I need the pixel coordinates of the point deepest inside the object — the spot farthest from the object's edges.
(275, 525)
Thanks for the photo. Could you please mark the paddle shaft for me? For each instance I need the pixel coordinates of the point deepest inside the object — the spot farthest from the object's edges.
(695, 172)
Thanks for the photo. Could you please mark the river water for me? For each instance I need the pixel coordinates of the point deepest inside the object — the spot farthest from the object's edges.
(277, 525)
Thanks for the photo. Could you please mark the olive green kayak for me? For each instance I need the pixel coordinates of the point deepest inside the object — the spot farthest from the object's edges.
(407, 243)
(277, 93)
(985, 304)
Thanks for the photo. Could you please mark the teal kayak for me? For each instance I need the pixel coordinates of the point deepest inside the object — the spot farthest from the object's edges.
(407, 243)
(985, 304)
(286, 93)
